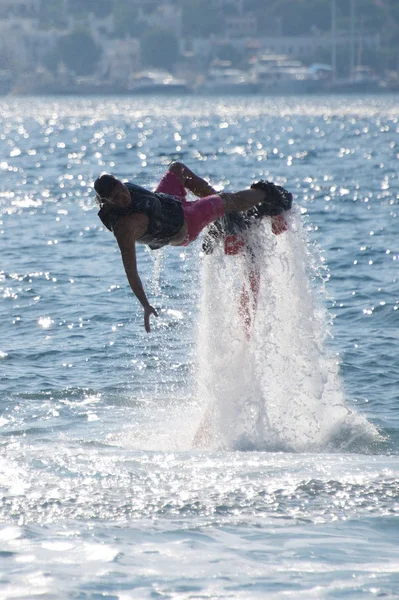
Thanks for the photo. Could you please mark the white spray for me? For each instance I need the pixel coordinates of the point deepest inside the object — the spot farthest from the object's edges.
(266, 379)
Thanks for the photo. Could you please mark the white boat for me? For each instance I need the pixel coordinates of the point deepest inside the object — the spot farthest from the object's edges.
(277, 74)
(362, 80)
(222, 78)
(157, 82)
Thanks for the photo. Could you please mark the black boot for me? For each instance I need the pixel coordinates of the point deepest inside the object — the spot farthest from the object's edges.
(277, 199)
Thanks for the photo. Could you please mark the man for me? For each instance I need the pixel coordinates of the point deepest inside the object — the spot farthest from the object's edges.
(164, 217)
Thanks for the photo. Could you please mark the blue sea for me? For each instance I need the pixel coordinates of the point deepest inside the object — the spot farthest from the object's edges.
(208, 459)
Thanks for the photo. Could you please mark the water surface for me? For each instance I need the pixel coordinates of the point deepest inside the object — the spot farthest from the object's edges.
(104, 492)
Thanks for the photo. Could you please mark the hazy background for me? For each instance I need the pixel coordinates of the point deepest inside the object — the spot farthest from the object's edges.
(49, 41)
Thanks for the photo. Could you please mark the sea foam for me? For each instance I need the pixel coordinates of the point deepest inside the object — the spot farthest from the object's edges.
(267, 377)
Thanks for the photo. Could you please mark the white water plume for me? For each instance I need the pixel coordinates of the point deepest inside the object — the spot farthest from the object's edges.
(266, 379)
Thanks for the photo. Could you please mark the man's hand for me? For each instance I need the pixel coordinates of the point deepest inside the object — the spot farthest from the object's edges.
(148, 311)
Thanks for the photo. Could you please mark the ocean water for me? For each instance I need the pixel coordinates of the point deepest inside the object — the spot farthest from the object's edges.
(227, 454)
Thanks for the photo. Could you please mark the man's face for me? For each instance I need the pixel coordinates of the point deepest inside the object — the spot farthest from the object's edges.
(120, 195)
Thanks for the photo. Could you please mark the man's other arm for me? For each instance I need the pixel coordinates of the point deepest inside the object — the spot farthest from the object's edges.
(125, 233)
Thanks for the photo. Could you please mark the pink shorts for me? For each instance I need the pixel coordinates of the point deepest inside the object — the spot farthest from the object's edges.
(199, 213)
(171, 184)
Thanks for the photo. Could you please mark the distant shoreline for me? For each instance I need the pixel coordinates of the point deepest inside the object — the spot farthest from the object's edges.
(351, 93)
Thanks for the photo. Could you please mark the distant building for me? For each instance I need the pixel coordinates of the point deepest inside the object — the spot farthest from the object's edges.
(149, 5)
(241, 26)
(303, 46)
(237, 5)
(295, 46)
(23, 9)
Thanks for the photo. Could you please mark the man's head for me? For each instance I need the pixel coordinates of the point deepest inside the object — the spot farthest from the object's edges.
(109, 189)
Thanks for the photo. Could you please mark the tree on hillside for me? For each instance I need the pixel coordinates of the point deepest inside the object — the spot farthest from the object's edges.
(7, 61)
(52, 14)
(201, 18)
(78, 52)
(125, 19)
(159, 49)
(389, 51)
(51, 60)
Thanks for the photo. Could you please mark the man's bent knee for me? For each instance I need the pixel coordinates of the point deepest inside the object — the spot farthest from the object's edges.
(178, 168)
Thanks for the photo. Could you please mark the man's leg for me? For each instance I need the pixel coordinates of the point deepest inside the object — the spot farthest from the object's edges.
(232, 202)
(243, 200)
(195, 184)
(171, 183)
(200, 213)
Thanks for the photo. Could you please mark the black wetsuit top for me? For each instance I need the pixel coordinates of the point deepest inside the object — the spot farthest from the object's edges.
(165, 214)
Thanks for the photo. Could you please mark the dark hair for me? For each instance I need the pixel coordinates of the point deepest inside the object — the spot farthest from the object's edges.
(104, 185)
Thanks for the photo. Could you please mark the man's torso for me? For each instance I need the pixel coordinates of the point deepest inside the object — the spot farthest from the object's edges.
(158, 218)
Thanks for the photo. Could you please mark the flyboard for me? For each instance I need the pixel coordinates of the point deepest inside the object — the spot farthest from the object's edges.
(232, 233)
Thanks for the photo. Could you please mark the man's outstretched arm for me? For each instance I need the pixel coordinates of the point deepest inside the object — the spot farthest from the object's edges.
(124, 234)
(198, 186)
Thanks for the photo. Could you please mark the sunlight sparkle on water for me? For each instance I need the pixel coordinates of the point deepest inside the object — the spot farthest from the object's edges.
(45, 322)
